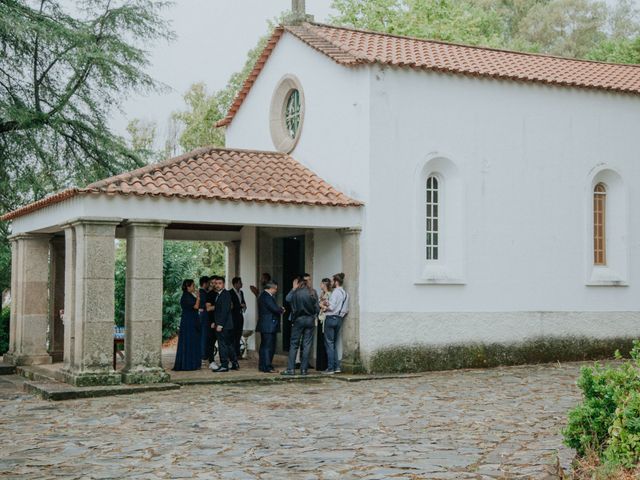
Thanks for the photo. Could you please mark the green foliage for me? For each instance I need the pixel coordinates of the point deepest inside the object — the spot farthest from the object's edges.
(64, 66)
(5, 315)
(120, 281)
(617, 51)
(5, 257)
(575, 28)
(181, 260)
(142, 134)
(607, 422)
(624, 442)
(204, 109)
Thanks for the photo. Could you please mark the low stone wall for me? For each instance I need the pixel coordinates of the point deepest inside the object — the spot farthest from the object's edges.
(423, 357)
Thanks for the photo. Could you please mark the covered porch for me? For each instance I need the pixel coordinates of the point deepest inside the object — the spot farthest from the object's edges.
(63, 254)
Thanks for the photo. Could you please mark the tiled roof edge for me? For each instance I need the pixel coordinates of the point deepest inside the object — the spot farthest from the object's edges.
(466, 45)
(44, 202)
(250, 80)
(98, 188)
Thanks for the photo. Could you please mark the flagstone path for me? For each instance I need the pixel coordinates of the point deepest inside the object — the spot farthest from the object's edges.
(499, 423)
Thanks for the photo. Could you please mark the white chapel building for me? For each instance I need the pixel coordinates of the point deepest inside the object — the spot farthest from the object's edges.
(483, 205)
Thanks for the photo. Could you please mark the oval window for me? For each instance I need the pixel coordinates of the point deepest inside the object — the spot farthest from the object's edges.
(286, 115)
(292, 113)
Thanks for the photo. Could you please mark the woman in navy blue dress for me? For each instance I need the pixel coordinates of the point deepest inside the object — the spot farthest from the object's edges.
(189, 353)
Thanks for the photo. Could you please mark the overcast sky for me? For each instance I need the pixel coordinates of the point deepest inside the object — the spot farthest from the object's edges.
(212, 41)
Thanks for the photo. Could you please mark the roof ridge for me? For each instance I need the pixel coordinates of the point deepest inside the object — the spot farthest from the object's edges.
(466, 45)
(170, 161)
(291, 29)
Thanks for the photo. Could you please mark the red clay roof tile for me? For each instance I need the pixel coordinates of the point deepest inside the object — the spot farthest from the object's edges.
(352, 47)
(215, 174)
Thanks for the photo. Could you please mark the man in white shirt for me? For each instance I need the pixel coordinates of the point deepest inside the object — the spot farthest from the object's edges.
(338, 308)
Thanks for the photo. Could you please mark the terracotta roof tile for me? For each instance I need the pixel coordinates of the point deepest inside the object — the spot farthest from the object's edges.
(352, 47)
(216, 174)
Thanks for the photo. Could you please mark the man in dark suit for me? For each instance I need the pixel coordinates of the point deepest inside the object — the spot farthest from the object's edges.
(224, 328)
(210, 328)
(269, 313)
(239, 307)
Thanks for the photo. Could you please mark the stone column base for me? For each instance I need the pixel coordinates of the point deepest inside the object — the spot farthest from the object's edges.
(145, 375)
(90, 379)
(352, 365)
(14, 359)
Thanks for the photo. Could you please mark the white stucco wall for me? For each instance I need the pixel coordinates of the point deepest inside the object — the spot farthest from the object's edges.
(327, 255)
(527, 156)
(519, 162)
(334, 141)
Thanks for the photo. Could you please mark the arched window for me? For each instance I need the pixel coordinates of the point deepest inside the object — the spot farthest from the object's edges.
(433, 219)
(599, 224)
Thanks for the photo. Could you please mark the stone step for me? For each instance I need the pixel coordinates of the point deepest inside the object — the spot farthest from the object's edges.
(63, 391)
(7, 369)
(38, 374)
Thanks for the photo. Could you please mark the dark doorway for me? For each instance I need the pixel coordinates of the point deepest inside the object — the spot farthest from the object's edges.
(292, 266)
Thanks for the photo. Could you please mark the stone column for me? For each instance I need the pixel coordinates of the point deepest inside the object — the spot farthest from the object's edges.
(232, 260)
(56, 298)
(143, 303)
(14, 306)
(94, 303)
(29, 300)
(69, 297)
(351, 327)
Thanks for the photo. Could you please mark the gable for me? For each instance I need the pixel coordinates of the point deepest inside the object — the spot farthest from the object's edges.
(351, 48)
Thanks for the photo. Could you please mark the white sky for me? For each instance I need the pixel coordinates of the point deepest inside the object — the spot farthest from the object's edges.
(212, 41)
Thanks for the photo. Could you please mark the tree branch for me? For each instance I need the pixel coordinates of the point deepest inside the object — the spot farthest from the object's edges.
(36, 85)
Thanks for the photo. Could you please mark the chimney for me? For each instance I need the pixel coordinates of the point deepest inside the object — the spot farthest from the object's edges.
(298, 14)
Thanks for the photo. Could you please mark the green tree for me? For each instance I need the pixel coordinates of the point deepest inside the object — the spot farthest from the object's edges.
(63, 67)
(181, 260)
(589, 29)
(204, 109)
(570, 28)
(142, 136)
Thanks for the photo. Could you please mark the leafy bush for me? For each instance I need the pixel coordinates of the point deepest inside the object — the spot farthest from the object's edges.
(607, 422)
(5, 315)
(624, 441)
(181, 260)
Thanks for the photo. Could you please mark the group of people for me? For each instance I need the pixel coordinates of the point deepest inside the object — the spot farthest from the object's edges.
(209, 315)
(215, 314)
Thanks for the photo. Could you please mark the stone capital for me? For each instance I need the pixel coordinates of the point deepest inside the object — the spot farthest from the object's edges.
(29, 236)
(93, 221)
(349, 231)
(143, 222)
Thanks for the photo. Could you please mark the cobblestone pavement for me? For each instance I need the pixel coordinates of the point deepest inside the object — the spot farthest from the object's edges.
(499, 423)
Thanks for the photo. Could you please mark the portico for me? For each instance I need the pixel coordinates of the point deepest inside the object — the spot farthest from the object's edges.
(209, 194)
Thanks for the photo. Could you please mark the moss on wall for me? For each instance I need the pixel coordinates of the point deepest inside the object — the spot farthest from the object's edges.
(422, 358)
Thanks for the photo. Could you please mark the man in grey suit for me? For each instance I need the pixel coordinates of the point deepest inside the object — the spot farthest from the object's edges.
(224, 328)
(304, 310)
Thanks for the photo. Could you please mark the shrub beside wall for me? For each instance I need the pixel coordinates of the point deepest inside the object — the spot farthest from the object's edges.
(607, 422)
(423, 358)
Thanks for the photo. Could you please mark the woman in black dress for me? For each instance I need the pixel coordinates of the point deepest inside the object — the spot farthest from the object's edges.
(189, 353)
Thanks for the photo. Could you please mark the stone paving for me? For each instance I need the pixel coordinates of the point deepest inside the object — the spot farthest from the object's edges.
(499, 423)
